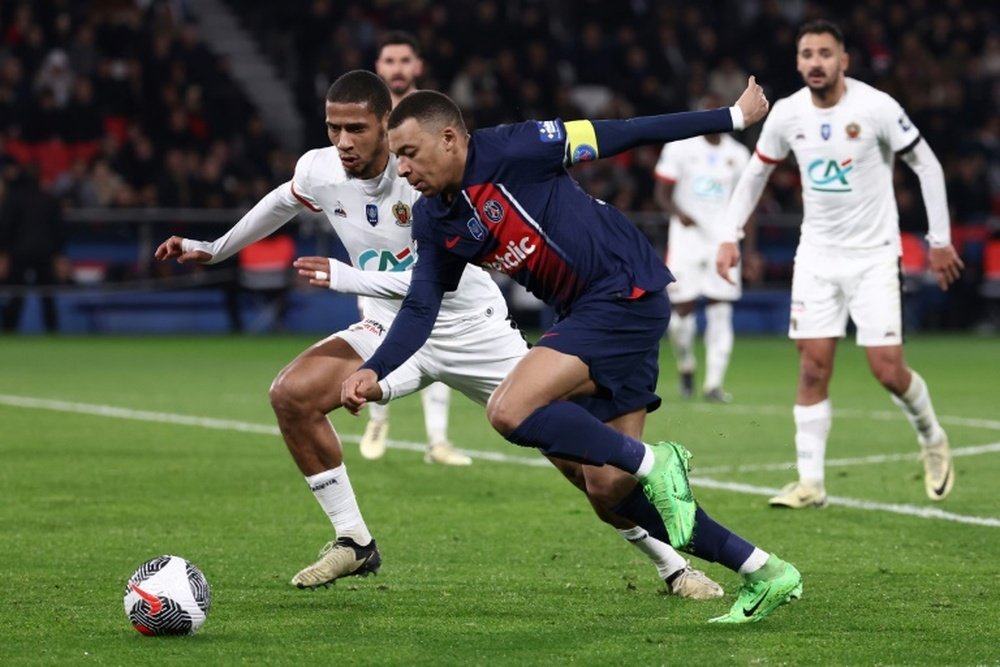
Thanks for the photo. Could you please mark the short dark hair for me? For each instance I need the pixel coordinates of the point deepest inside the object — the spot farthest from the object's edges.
(361, 87)
(820, 27)
(427, 106)
(398, 37)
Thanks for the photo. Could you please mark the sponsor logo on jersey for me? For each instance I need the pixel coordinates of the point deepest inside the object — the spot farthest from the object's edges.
(476, 228)
(825, 130)
(708, 189)
(401, 212)
(371, 213)
(339, 210)
(904, 123)
(549, 131)
(829, 175)
(509, 258)
(853, 130)
(385, 260)
(584, 153)
(373, 326)
(493, 210)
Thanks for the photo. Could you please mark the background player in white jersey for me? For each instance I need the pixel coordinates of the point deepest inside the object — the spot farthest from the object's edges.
(695, 178)
(844, 135)
(473, 347)
(399, 64)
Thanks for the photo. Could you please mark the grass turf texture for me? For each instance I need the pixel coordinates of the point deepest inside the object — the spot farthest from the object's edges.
(498, 563)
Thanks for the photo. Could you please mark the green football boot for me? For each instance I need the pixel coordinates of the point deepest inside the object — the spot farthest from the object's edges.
(666, 486)
(764, 591)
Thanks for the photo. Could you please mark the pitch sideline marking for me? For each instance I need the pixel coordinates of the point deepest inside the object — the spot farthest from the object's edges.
(247, 427)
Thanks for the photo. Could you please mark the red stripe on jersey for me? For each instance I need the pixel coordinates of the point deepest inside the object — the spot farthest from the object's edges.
(520, 244)
(665, 179)
(309, 206)
(766, 159)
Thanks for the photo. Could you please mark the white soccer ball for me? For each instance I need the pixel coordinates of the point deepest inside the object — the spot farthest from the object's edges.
(167, 595)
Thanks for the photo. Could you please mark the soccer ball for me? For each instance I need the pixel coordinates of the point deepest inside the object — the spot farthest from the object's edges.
(167, 595)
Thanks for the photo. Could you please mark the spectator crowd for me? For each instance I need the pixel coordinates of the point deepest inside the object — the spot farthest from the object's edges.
(120, 104)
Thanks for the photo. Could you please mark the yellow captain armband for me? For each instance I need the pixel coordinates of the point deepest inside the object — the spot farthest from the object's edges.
(581, 141)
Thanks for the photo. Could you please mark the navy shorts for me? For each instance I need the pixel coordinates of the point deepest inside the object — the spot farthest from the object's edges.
(619, 340)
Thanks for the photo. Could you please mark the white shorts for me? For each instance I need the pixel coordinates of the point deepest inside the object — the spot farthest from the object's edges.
(828, 285)
(694, 267)
(472, 356)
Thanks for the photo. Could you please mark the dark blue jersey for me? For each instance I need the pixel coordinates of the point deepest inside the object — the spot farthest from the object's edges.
(520, 212)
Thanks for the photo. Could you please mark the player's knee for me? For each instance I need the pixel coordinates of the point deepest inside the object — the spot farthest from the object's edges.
(891, 376)
(290, 396)
(503, 415)
(814, 373)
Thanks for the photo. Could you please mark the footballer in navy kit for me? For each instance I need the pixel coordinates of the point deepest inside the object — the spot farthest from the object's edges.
(502, 198)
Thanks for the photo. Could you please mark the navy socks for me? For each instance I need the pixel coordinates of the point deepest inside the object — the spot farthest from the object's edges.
(567, 431)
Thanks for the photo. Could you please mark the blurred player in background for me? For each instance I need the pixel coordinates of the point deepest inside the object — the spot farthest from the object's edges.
(502, 198)
(473, 345)
(695, 178)
(399, 65)
(845, 135)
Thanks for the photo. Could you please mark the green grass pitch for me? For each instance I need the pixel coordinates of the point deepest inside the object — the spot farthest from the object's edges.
(104, 463)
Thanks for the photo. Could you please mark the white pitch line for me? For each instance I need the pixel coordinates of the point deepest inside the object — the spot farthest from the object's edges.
(973, 450)
(264, 429)
(894, 508)
(849, 413)
(224, 425)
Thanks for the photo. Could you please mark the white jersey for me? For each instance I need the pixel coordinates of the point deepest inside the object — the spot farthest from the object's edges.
(845, 155)
(704, 175)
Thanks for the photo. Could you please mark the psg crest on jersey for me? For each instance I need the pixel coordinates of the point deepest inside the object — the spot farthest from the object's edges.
(402, 214)
(493, 210)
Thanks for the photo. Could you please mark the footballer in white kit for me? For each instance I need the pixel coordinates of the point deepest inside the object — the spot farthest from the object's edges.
(473, 345)
(845, 136)
(696, 178)
(704, 175)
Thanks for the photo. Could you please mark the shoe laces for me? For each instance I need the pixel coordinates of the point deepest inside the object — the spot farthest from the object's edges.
(328, 547)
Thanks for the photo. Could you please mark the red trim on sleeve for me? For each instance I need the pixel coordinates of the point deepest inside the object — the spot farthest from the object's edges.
(665, 179)
(766, 159)
(304, 202)
(636, 293)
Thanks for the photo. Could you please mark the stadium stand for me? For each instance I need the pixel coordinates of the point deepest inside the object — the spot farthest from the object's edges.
(128, 104)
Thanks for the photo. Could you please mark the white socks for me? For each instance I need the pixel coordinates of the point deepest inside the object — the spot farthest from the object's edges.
(378, 413)
(812, 426)
(333, 491)
(666, 560)
(718, 342)
(436, 399)
(916, 405)
(756, 561)
(682, 331)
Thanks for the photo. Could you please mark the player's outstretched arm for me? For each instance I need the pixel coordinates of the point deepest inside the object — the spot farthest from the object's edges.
(340, 277)
(174, 248)
(587, 140)
(268, 215)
